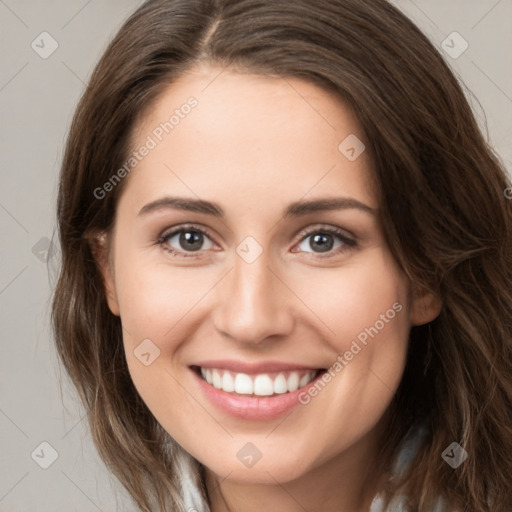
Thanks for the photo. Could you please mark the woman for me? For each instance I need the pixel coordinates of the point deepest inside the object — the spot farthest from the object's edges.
(286, 264)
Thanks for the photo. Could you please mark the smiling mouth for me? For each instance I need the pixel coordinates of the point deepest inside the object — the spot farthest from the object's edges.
(260, 384)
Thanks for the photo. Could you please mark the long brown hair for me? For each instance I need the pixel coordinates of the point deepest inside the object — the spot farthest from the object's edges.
(445, 216)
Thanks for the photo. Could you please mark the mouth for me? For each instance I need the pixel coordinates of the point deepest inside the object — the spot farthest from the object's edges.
(259, 384)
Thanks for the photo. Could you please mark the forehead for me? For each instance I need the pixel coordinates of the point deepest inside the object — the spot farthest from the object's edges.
(219, 132)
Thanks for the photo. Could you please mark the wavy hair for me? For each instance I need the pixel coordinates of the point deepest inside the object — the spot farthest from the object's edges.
(444, 213)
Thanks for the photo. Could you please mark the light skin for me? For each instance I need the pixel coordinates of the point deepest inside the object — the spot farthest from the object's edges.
(254, 145)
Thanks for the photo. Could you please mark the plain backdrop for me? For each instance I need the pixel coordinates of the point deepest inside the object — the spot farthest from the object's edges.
(38, 94)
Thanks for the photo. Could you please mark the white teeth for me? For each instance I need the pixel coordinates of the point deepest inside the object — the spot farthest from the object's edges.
(293, 381)
(228, 383)
(303, 381)
(207, 375)
(280, 384)
(243, 384)
(217, 379)
(263, 385)
(259, 385)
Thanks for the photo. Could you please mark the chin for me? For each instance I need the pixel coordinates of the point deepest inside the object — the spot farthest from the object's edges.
(263, 471)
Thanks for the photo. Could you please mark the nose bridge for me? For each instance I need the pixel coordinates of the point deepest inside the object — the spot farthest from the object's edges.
(252, 302)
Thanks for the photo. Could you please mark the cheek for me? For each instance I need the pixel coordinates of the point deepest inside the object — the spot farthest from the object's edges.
(155, 300)
(352, 298)
(154, 297)
(365, 308)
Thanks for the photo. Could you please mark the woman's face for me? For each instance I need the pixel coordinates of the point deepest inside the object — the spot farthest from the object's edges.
(247, 246)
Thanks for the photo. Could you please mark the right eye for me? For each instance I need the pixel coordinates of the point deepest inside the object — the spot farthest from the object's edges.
(185, 240)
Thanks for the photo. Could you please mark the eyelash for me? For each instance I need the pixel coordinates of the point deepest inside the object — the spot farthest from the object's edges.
(340, 234)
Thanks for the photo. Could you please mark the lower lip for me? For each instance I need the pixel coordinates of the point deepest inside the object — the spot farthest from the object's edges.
(253, 407)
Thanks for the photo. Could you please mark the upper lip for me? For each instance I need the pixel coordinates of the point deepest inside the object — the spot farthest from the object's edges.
(238, 366)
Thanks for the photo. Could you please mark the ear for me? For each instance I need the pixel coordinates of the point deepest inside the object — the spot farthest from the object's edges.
(425, 306)
(100, 248)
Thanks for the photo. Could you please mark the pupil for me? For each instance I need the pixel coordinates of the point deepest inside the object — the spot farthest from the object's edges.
(188, 238)
(324, 242)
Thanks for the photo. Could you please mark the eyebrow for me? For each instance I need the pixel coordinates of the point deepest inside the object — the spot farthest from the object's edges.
(296, 209)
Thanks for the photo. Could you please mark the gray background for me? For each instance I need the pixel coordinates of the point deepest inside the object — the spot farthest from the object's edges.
(37, 99)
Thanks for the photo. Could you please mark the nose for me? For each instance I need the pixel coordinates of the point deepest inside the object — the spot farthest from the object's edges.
(253, 303)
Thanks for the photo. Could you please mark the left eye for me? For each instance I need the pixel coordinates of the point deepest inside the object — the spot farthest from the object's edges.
(324, 241)
(189, 240)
